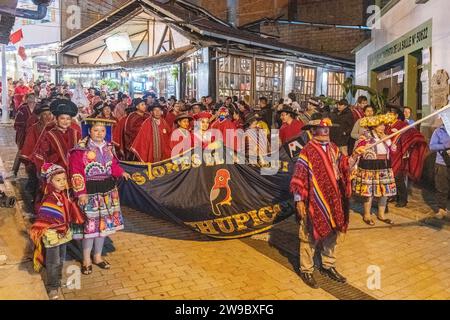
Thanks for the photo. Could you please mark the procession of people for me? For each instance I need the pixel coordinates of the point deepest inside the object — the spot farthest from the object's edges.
(72, 145)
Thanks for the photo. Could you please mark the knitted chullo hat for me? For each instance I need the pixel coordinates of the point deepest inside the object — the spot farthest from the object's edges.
(49, 170)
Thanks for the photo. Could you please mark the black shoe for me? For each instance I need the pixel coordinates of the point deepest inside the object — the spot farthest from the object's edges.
(309, 280)
(333, 274)
(401, 205)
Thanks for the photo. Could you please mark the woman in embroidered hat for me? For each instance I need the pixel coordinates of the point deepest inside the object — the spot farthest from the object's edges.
(94, 170)
(52, 228)
(374, 175)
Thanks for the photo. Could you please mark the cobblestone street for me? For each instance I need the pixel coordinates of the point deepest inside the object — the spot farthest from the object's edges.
(157, 259)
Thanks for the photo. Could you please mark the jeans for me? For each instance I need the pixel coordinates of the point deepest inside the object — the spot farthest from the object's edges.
(54, 260)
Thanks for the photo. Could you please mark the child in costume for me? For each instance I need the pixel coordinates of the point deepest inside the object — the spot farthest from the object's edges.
(52, 227)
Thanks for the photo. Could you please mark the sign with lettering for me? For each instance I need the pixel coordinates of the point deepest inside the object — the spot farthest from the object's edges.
(439, 89)
(209, 196)
(414, 40)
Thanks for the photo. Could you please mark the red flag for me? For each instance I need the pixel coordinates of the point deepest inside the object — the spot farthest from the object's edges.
(16, 36)
(21, 52)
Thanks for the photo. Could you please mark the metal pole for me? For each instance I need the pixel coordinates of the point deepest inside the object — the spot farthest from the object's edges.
(5, 107)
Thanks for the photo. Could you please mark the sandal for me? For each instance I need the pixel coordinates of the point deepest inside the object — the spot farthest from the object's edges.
(370, 222)
(387, 221)
(86, 270)
(103, 265)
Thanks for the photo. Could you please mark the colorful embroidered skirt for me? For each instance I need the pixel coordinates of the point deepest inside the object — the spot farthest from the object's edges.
(103, 214)
(374, 178)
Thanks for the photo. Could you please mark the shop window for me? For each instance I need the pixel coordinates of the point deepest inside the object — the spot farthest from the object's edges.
(269, 79)
(190, 70)
(235, 76)
(304, 82)
(335, 90)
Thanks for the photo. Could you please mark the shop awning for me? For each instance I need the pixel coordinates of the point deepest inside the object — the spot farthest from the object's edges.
(163, 59)
(196, 24)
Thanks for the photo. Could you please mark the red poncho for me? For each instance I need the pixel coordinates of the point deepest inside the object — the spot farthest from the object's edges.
(132, 126)
(325, 196)
(290, 131)
(56, 212)
(152, 143)
(410, 153)
(54, 146)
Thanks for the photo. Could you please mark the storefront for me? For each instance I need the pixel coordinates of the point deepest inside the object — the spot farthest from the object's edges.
(404, 54)
(170, 56)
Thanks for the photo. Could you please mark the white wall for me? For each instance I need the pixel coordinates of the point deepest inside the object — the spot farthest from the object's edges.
(402, 18)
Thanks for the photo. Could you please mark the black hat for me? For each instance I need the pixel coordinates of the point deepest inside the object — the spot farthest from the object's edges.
(250, 118)
(63, 106)
(314, 102)
(149, 94)
(42, 108)
(288, 109)
(318, 120)
(99, 106)
(397, 110)
(136, 102)
(155, 105)
(183, 115)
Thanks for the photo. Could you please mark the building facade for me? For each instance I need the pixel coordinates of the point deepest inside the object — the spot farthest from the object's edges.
(411, 45)
(177, 48)
(329, 27)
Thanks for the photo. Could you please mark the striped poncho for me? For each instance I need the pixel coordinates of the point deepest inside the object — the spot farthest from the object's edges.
(322, 179)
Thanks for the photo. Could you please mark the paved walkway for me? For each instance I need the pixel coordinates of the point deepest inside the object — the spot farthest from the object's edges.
(156, 259)
(17, 277)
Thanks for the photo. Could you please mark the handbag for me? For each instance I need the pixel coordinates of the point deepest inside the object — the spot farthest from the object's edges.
(52, 238)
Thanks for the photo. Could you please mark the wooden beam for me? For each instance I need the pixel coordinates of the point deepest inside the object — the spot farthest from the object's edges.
(162, 40)
(120, 56)
(101, 53)
(139, 46)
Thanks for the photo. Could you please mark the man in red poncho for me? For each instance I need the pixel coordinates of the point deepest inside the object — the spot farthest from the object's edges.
(34, 132)
(19, 94)
(152, 143)
(132, 126)
(322, 189)
(24, 113)
(408, 158)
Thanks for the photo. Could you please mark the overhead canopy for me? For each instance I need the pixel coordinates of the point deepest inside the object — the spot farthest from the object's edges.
(155, 27)
(162, 59)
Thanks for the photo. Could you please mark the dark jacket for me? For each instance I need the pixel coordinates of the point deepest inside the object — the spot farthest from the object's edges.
(340, 135)
(266, 115)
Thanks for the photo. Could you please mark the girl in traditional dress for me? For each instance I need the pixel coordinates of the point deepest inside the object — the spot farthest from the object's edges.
(94, 170)
(374, 175)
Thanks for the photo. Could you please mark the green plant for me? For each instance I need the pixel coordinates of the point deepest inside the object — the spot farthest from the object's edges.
(377, 99)
(175, 72)
(111, 84)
